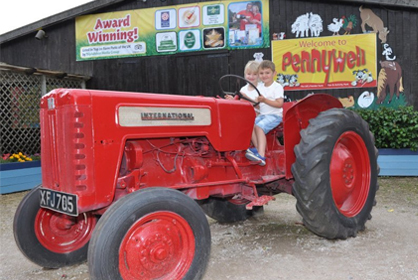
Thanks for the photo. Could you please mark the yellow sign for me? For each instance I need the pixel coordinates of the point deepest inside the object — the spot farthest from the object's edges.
(326, 62)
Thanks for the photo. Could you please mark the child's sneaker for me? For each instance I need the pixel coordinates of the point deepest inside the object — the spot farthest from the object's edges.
(256, 157)
(252, 151)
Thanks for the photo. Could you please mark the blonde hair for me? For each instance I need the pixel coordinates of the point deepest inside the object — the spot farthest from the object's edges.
(267, 64)
(251, 66)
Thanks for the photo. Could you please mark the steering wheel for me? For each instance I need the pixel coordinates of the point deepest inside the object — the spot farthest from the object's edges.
(238, 87)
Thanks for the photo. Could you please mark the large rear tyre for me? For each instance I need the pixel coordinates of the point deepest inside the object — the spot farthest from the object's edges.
(156, 233)
(228, 211)
(335, 174)
(48, 238)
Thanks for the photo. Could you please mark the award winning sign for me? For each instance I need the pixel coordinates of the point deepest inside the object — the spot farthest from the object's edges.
(173, 29)
(326, 62)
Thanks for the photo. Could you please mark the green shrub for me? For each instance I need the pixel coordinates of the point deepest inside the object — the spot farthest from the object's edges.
(393, 128)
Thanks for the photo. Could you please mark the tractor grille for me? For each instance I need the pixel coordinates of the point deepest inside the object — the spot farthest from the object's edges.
(67, 153)
(79, 151)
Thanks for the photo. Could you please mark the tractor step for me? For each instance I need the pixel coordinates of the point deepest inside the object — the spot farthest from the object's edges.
(259, 201)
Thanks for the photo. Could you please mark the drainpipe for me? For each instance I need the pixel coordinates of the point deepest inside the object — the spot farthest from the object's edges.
(43, 85)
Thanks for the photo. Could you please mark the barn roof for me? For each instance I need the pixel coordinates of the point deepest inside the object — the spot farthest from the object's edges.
(98, 4)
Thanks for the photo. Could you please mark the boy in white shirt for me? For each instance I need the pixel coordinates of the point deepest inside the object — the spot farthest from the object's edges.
(271, 112)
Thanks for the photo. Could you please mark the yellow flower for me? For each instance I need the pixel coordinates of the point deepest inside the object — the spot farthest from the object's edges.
(18, 157)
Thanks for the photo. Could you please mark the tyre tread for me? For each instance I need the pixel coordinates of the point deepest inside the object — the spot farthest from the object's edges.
(311, 173)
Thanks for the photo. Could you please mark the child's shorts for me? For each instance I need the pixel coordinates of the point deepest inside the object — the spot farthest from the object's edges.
(267, 122)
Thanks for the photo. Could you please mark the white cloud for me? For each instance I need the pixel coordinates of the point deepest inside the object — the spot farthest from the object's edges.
(18, 13)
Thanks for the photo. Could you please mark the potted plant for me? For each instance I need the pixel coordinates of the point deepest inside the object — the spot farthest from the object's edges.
(19, 172)
(396, 136)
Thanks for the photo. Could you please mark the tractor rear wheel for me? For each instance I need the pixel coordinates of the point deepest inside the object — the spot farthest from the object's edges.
(51, 239)
(156, 233)
(228, 210)
(335, 174)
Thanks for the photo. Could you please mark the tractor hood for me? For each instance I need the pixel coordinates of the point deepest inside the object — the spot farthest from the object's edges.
(83, 133)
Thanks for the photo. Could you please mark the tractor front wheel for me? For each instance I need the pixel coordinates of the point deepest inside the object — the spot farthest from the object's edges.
(48, 238)
(335, 174)
(156, 233)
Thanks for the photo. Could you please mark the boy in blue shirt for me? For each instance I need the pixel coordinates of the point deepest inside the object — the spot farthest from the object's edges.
(271, 111)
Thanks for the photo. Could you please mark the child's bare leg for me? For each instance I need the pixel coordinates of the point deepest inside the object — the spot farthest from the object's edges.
(254, 138)
(261, 140)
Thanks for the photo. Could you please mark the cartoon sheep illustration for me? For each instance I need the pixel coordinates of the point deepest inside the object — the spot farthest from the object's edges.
(307, 22)
(301, 26)
(315, 24)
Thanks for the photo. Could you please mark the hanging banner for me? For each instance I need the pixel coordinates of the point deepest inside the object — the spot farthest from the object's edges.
(326, 62)
(173, 29)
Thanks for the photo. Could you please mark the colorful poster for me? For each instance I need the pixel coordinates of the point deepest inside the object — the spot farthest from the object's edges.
(326, 62)
(173, 29)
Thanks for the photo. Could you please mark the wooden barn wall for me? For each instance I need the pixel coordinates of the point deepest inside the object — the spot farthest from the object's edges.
(198, 73)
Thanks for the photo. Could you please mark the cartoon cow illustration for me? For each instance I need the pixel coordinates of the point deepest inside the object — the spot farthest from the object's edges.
(390, 76)
(388, 64)
(371, 19)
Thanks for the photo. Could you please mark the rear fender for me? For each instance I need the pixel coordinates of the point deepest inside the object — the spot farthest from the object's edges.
(296, 117)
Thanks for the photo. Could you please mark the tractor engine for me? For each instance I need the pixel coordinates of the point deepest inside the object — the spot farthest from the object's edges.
(103, 145)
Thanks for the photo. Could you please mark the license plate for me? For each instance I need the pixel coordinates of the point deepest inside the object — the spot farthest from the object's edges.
(58, 201)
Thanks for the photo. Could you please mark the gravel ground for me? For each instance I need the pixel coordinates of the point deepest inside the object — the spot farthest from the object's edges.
(276, 245)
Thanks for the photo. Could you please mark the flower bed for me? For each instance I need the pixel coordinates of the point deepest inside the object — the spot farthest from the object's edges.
(19, 157)
(19, 172)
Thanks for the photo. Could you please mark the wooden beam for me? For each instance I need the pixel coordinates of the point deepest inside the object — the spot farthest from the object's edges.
(397, 3)
(36, 71)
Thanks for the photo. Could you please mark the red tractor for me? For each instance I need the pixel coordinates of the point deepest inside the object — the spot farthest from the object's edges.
(127, 178)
